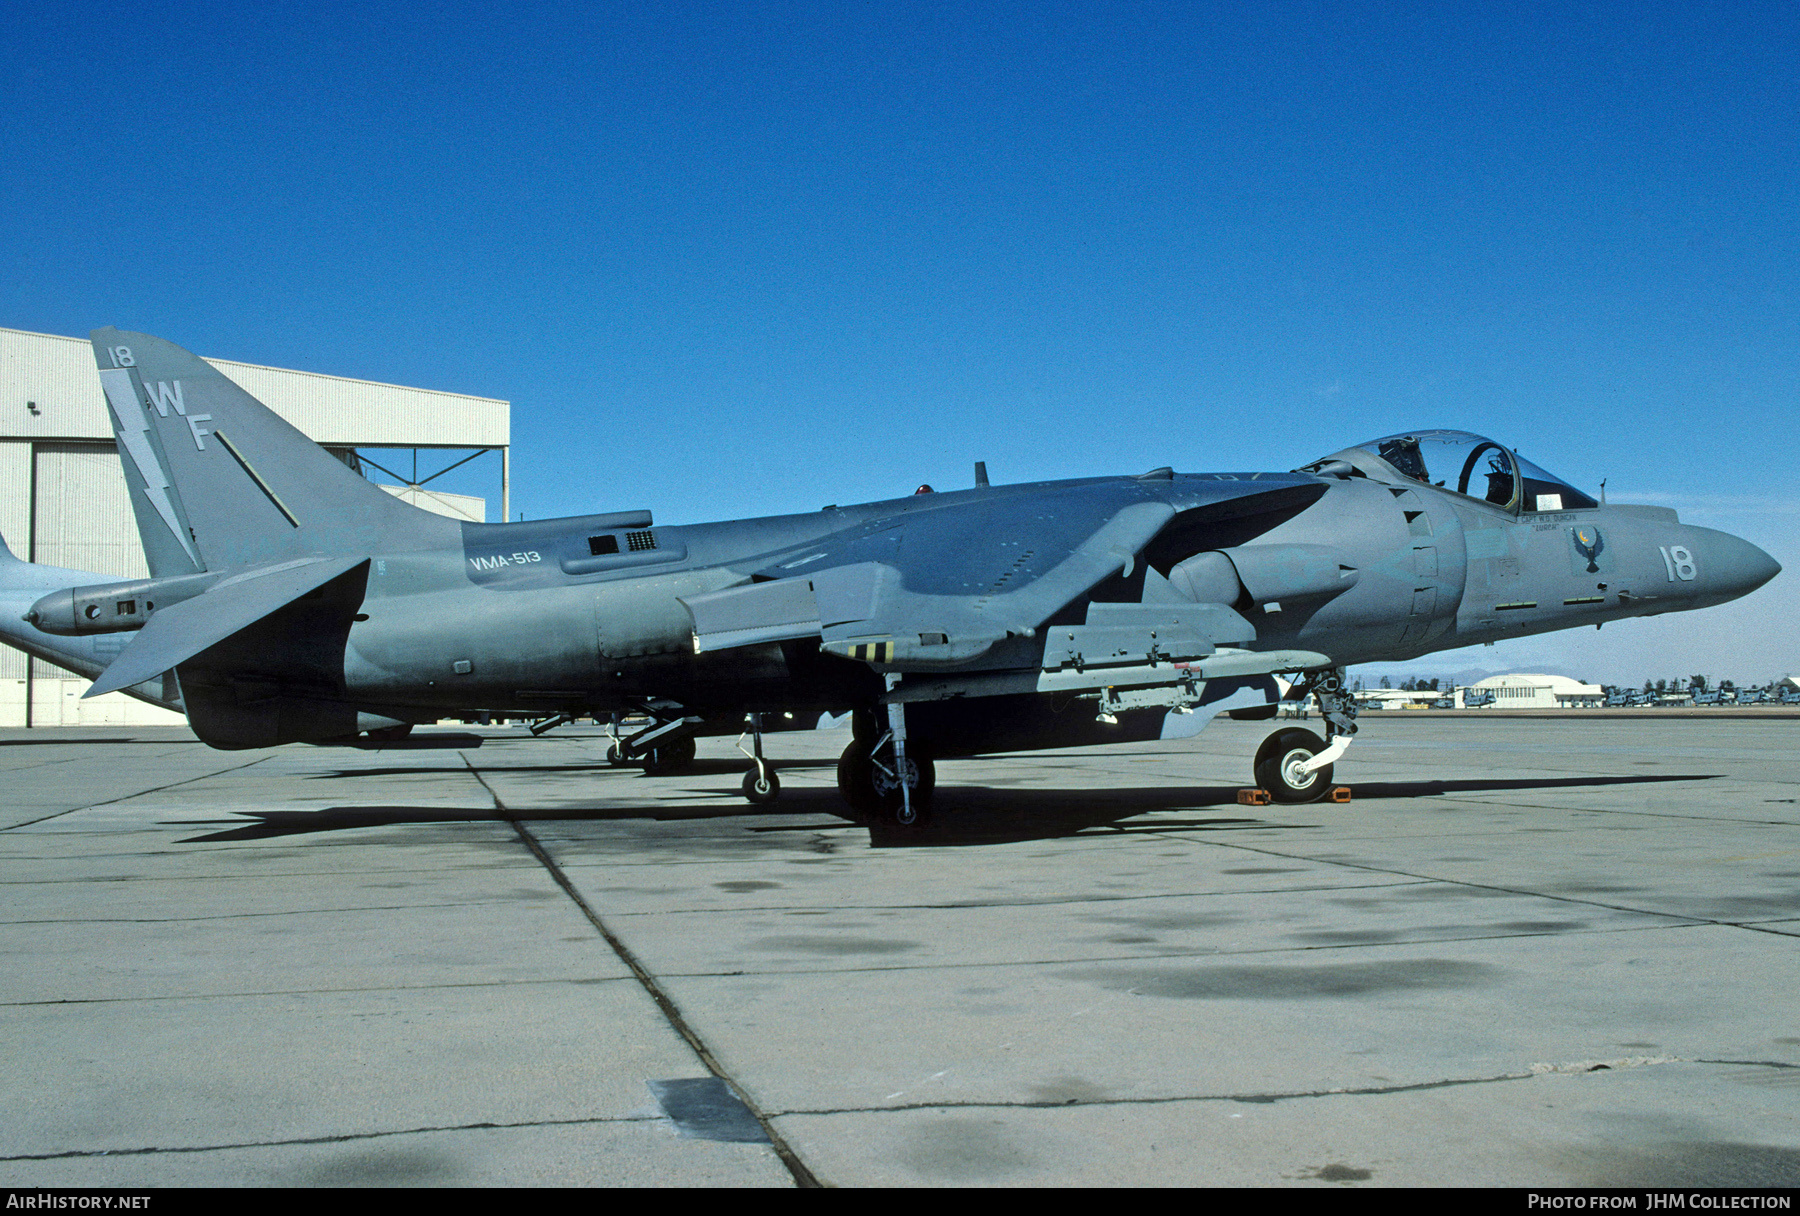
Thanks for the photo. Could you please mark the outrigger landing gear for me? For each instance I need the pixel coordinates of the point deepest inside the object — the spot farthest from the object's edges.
(870, 772)
(663, 747)
(761, 785)
(1295, 765)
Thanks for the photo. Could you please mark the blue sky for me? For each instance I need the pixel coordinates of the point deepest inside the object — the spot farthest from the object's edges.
(738, 259)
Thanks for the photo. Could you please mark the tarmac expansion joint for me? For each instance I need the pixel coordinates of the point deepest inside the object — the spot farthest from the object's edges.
(672, 1014)
(1581, 1066)
(1573, 1068)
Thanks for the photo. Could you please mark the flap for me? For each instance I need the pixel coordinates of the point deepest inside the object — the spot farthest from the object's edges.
(754, 613)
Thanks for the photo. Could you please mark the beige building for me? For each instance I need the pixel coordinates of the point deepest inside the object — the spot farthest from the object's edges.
(1532, 690)
(63, 500)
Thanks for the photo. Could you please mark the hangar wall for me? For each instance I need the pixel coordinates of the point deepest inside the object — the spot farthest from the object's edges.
(63, 500)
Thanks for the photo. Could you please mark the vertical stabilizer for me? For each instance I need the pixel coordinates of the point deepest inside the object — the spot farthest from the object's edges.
(218, 480)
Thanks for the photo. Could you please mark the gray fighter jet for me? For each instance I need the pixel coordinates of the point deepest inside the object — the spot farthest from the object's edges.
(292, 601)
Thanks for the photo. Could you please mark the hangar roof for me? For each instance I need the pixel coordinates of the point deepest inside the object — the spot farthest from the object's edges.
(1558, 685)
(56, 375)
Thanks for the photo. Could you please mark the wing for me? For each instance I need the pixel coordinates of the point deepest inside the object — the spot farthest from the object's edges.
(937, 584)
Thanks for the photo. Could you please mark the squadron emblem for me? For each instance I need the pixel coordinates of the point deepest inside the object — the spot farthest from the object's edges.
(1590, 544)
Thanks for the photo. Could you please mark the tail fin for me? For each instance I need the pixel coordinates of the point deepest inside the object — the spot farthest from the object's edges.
(218, 480)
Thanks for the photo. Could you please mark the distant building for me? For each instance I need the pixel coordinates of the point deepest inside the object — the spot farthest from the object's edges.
(1529, 690)
(63, 500)
(1397, 698)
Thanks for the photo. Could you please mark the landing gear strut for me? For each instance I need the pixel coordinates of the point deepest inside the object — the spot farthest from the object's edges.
(884, 781)
(1295, 765)
(761, 785)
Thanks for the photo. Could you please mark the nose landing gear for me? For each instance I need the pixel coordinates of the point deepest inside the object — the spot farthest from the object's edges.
(1295, 765)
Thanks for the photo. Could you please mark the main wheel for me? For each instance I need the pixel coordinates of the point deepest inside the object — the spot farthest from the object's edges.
(872, 788)
(761, 785)
(666, 758)
(1278, 763)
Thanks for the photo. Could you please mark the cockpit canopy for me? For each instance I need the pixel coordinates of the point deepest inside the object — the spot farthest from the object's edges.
(1459, 461)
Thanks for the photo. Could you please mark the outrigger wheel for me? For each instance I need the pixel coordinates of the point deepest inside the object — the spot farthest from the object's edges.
(761, 785)
(868, 782)
(1278, 763)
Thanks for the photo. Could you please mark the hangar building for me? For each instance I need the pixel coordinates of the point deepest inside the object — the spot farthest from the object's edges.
(63, 500)
(1531, 690)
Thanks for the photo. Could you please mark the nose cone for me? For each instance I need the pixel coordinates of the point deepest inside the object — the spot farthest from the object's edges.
(1737, 567)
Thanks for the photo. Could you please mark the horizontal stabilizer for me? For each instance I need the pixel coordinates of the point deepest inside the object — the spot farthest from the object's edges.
(181, 631)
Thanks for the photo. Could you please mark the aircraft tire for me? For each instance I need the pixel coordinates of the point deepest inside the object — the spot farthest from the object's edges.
(614, 756)
(1274, 767)
(667, 758)
(761, 785)
(875, 797)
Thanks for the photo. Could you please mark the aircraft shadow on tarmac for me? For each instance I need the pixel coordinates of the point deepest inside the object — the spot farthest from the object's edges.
(966, 815)
(975, 815)
(697, 768)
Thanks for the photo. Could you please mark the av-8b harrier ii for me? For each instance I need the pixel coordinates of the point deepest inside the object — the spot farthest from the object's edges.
(293, 601)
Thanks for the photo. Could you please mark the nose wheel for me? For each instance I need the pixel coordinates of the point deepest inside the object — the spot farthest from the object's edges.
(1295, 765)
(1281, 767)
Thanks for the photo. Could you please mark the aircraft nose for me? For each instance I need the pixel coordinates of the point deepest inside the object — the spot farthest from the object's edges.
(1739, 567)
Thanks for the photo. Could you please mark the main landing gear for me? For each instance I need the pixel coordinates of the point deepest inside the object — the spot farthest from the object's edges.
(885, 783)
(1295, 765)
(663, 747)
